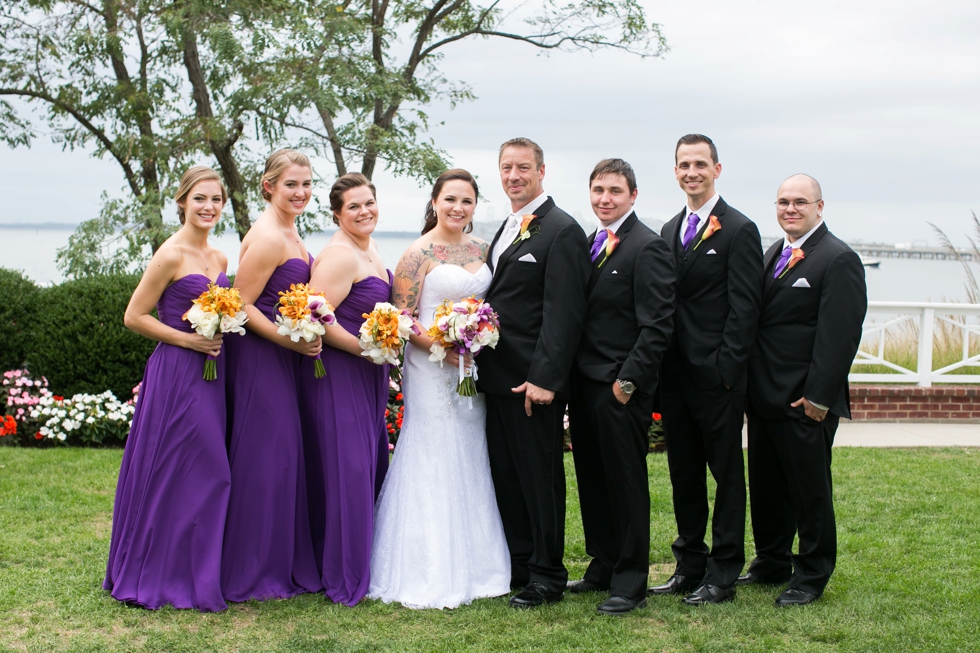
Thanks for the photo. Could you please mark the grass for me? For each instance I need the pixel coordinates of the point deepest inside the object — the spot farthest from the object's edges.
(908, 577)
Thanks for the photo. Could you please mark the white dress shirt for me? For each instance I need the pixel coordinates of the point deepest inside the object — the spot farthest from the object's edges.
(614, 227)
(513, 227)
(703, 214)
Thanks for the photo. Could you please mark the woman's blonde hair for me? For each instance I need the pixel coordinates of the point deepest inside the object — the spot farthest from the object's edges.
(277, 163)
(192, 178)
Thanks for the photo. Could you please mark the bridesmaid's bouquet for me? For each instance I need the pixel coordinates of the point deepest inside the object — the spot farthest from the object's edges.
(303, 312)
(466, 326)
(385, 332)
(217, 309)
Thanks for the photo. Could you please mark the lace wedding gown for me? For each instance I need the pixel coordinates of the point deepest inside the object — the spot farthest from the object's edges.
(438, 538)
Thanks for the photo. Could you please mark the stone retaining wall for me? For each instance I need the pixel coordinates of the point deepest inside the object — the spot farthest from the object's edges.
(940, 403)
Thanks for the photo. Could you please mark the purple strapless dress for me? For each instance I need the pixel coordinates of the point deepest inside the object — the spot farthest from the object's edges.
(268, 550)
(346, 450)
(174, 481)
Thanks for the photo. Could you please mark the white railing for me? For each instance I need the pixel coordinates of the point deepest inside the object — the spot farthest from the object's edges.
(897, 334)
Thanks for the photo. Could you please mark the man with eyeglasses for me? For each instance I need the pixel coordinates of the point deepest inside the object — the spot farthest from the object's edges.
(813, 306)
(718, 255)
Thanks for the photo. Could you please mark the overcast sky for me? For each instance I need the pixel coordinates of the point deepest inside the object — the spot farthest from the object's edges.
(880, 101)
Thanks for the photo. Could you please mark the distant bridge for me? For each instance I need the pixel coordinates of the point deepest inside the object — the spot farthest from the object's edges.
(883, 250)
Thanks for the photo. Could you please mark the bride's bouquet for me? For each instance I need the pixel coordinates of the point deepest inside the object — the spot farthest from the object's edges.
(466, 326)
(385, 332)
(217, 309)
(303, 312)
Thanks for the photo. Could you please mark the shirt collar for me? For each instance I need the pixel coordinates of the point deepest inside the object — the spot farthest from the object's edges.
(531, 206)
(614, 227)
(802, 239)
(705, 211)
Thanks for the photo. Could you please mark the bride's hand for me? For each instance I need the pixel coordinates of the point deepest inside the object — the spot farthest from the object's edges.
(452, 359)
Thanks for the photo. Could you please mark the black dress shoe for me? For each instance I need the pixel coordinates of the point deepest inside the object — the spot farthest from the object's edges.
(751, 579)
(533, 595)
(793, 596)
(583, 586)
(708, 593)
(676, 584)
(620, 605)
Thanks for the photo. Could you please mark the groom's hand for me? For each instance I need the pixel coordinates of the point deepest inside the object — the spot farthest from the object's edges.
(534, 395)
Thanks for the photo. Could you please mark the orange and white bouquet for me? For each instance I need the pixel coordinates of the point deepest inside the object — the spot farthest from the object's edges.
(217, 309)
(303, 312)
(384, 333)
(466, 327)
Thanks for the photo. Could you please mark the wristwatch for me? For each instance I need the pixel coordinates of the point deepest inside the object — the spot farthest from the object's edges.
(628, 387)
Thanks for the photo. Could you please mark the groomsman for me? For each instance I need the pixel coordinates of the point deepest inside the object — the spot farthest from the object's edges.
(813, 308)
(630, 299)
(718, 255)
(540, 263)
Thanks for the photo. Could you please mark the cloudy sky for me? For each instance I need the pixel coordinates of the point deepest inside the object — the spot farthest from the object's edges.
(879, 101)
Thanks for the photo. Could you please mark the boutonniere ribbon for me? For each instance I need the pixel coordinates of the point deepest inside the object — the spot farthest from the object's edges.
(612, 240)
(795, 257)
(525, 231)
(713, 226)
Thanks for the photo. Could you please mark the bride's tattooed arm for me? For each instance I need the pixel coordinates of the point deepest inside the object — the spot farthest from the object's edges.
(413, 265)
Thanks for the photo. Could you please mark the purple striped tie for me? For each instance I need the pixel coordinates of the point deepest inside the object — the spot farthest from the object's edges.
(781, 263)
(600, 239)
(692, 228)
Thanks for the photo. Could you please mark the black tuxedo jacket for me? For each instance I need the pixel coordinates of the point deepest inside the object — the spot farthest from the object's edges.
(719, 291)
(630, 309)
(541, 305)
(809, 329)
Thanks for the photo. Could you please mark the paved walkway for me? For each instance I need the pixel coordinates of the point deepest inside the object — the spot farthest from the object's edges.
(903, 434)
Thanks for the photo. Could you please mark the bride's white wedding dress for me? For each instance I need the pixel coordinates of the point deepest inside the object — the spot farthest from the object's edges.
(438, 539)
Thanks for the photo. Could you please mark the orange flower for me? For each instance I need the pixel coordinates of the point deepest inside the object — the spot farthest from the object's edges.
(713, 226)
(526, 231)
(612, 240)
(795, 257)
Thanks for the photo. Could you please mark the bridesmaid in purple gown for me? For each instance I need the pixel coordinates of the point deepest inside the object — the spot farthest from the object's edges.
(343, 413)
(174, 481)
(268, 549)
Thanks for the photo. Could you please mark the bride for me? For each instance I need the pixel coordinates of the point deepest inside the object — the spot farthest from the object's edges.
(438, 538)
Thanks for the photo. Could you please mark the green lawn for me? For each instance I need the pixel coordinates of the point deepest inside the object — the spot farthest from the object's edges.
(908, 578)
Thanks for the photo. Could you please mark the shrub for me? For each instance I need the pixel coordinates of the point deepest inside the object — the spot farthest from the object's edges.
(79, 341)
(22, 393)
(85, 419)
(18, 301)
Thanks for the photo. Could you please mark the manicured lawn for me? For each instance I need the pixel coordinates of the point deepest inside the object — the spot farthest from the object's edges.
(908, 578)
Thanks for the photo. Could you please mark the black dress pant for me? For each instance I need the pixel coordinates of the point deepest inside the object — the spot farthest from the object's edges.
(704, 427)
(529, 481)
(609, 444)
(792, 493)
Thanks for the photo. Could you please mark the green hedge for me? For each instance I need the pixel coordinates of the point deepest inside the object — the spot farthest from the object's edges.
(77, 338)
(18, 302)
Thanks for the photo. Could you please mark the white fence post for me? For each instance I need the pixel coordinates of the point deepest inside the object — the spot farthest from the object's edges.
(924, 366)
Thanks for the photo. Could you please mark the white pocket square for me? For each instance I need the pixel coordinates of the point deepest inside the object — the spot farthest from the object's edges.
(710, 251)
(801, 283)
(614, 272)
(528, 258)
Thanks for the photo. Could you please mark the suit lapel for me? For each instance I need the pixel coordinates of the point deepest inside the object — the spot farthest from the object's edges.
(768, 264)
(494, 244)
(808, 247)
(694, 250)
(622, 233)
(513, 247)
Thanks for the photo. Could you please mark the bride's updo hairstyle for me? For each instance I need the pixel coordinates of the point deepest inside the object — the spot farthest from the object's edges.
(192, 178)
(344, 184)
(455, 174)
(277, 163)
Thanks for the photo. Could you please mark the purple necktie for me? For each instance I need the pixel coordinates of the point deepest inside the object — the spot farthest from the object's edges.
(692, 228)
(600, 239)
(781, 263)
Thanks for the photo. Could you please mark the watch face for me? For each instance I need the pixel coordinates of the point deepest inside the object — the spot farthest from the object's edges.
(627, 386)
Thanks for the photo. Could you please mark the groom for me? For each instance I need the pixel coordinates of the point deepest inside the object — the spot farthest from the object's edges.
(540, 264)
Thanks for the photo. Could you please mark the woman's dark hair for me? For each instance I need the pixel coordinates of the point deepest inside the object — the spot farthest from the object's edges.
(456, 174)
(344, 184)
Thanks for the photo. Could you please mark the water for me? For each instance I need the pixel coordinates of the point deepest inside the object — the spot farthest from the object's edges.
(898, 280)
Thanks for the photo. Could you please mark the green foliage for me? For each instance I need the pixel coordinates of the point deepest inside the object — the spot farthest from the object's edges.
(80, 342)
(907, 577)
(18, 302)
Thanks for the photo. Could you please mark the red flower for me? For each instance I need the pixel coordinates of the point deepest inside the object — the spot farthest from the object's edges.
(399, 397)
(657, 417)
(58, 398)
(38, 436)
(387, 412)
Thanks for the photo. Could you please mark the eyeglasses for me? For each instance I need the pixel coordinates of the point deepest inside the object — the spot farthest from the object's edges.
(782, 205)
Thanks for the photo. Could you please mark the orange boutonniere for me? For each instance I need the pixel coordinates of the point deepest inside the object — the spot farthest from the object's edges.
(713, 226)
(612, 240)
(525, 231)
(795, 257)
